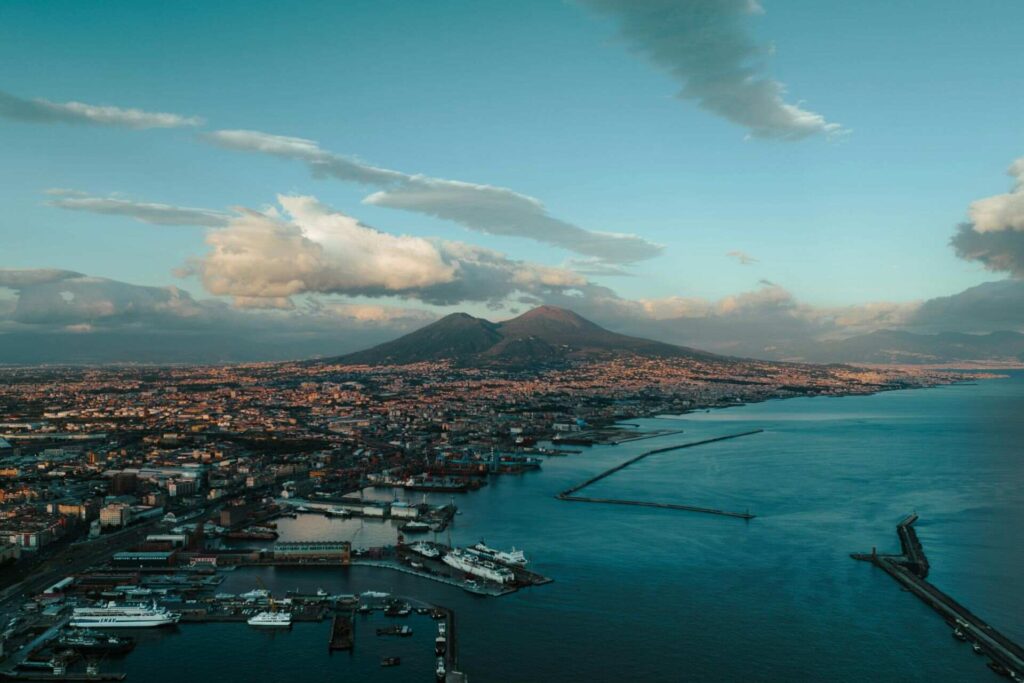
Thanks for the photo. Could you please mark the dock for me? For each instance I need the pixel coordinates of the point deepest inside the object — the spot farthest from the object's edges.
(910, 569)
(341, 633)
(569, 493)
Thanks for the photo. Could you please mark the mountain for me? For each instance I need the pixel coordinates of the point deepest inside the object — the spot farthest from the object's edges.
(542, 335)
(896, 346)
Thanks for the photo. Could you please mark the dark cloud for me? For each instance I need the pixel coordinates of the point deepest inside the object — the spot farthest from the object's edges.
(999, 250)
(705, 46)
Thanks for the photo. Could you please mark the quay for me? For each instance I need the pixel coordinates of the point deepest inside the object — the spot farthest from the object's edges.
(341, 633)
(569, 493)
(910, 569)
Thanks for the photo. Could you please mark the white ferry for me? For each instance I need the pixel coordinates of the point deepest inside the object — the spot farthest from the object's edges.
(515, 557)
(477, 566)
(112, 615)
(271, 620)
(424, 549)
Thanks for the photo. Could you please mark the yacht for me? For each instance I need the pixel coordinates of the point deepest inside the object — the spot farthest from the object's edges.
(256, 594)
(112, 615)
(271, 620)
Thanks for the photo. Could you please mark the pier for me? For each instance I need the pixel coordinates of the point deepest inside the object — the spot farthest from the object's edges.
(910, 569)
(569, 494)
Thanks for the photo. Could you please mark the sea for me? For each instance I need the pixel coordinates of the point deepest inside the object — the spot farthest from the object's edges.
(645, 594)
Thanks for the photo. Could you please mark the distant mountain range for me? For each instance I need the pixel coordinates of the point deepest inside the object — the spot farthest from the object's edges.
(895, 346)
(544, 334)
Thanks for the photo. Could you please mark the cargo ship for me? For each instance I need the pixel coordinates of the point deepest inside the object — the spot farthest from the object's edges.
(112, 615)
(477, 566)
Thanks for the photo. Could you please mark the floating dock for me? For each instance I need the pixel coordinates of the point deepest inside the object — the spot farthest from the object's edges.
(341, 633)
(910, 569)
(569, 494)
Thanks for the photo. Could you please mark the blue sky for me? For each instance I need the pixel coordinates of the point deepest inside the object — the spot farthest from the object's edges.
(545, 98)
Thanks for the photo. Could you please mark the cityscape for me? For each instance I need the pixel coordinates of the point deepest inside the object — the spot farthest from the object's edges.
(596, 340)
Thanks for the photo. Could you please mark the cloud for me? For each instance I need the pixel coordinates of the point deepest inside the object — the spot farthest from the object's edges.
(705, 46)
(77, 318)
(994, 236)
(482, 208)
(265, 258)
(742, 257)
(988, 307)
(43, 111)
(147, 212)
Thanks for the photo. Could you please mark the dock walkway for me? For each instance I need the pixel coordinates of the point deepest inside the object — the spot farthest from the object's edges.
(569, 493)
(910, 570)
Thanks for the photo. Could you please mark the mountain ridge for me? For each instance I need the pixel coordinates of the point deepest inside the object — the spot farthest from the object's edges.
(541, 335)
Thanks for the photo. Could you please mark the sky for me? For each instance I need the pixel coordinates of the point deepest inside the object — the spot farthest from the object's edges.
(346, 171)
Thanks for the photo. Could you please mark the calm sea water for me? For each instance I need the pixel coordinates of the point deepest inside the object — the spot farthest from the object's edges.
(659, 595)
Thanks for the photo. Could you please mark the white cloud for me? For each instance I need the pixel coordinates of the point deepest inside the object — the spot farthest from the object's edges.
(994, 236)
(483, 208)
(705, 46)
(43, 111)
(147, 212)
(264, 258)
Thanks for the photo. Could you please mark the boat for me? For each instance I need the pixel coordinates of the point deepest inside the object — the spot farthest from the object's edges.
(513, 557)
(959, 635)
(415, 527)
(390, 661)
(440, 484)
(374, 594)
(441, 641)
(403, 631)
(977, 649)
(398, 609)
(271, 620)
(255, 594)
(477, 566)
(424, 549)
(86, 641)
(112, 615)
(440, 671)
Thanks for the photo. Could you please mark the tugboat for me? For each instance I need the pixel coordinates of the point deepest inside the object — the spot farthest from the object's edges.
(390, 661)
(440, 671)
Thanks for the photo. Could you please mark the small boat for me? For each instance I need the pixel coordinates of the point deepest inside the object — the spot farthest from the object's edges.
(999, 668)
(959, 635)
(441, 670)
(403, 631)
(977, 649)
(390, 661)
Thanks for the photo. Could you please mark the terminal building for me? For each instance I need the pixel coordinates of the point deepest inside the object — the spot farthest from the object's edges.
(339, 552)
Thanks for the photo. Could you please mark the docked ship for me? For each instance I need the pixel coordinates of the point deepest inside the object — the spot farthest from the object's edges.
(440, 484)
(424, 549)
(112, 615)
(271, 620)
(513, 557)
(477, 566)
(93, 642)
(253, 533)
(415, 527)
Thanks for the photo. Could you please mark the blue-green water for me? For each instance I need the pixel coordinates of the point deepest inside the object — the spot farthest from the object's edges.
(660, 595)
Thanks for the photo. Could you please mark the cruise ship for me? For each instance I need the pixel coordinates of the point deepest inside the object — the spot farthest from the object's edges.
(513, 556)
(271, 620)
(477, 566)
(112, 615)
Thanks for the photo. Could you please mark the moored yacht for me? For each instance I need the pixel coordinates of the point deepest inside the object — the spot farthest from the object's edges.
(112, 615)
(271, 620)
